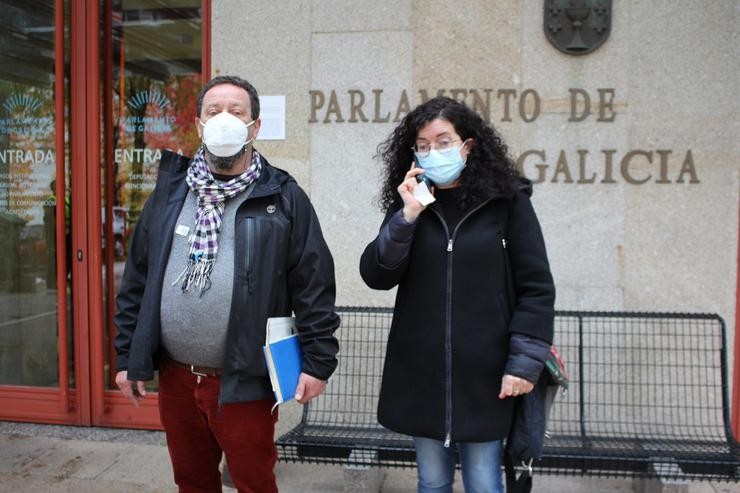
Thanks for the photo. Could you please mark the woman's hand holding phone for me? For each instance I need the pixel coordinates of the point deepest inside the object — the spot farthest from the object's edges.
(411, 205)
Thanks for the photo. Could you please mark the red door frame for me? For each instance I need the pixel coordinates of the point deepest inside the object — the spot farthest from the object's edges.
(88, 403)
(84, 150)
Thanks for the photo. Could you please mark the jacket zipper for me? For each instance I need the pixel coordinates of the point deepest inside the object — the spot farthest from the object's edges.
(250, 235)
(251, 227)
(448, 345)
(448, 320)
(508, 280)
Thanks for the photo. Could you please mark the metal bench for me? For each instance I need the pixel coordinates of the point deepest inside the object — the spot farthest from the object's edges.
(648, 399)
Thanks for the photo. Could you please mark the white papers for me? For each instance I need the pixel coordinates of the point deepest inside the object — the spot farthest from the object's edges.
(422, 194)
(279, 328)
(272, 113)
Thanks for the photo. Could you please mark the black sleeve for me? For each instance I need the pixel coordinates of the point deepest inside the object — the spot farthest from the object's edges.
(128, 300)
(394, 240)
(535, 292)
(373, 267)
(312, 288)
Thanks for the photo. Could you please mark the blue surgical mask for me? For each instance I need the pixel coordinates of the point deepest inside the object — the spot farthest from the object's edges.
(442, 167)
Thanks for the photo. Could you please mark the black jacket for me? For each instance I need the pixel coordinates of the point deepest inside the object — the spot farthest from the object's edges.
(449, 339)
(281, 264)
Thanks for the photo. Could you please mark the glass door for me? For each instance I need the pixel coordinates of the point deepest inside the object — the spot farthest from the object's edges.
(37, 367)
(90, 92)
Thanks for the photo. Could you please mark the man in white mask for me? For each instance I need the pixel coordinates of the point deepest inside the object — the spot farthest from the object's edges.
(226, 129)
(224, 242)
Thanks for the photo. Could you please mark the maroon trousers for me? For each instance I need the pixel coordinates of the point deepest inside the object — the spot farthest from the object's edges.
(197, 433)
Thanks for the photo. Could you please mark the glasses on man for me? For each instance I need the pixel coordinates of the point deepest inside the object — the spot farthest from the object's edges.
(442, 145)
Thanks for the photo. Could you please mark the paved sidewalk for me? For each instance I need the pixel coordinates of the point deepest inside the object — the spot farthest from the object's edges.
(45, 458)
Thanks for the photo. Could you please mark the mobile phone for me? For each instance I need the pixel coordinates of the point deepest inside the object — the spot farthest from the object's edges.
(422, 177)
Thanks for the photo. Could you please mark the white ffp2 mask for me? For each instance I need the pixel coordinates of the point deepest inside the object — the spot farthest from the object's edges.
(224, 134)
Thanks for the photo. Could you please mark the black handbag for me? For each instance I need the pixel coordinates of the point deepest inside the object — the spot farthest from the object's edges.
(526, 439)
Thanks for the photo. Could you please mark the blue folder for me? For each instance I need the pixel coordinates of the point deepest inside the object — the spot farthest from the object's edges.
(283, 357)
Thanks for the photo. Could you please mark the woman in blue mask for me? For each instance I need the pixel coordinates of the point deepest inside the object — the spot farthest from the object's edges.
(473, 317)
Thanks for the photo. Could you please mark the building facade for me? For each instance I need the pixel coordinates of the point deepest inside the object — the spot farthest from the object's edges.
(627, 124)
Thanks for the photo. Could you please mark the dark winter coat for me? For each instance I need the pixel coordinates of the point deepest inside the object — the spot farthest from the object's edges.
(449, 338)
(282, 263)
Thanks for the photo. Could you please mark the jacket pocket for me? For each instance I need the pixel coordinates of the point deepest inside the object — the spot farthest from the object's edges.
(252, 360)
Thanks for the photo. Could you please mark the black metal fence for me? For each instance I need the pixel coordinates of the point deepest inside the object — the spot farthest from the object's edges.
(648, 396)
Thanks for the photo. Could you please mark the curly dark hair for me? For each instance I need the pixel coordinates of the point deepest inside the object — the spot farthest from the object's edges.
(489, 170)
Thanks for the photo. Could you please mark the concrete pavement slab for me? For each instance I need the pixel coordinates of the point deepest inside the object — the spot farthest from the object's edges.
(67, 459)
(76, 465)
(43, 458)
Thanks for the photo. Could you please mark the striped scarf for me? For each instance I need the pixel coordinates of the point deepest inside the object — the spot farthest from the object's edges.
(212, 196)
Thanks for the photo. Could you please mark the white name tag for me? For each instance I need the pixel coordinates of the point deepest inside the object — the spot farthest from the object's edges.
(422, 194)
(182, 230)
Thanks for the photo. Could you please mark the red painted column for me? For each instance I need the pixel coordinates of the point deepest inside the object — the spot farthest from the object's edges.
(206, 33)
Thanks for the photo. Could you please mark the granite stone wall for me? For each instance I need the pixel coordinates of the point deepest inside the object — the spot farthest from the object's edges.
(634, 147)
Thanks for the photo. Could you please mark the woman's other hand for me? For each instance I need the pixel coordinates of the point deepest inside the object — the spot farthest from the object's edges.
(514, 386)
(411, 206)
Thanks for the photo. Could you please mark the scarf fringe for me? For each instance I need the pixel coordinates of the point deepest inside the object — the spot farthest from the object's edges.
(196, 275)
